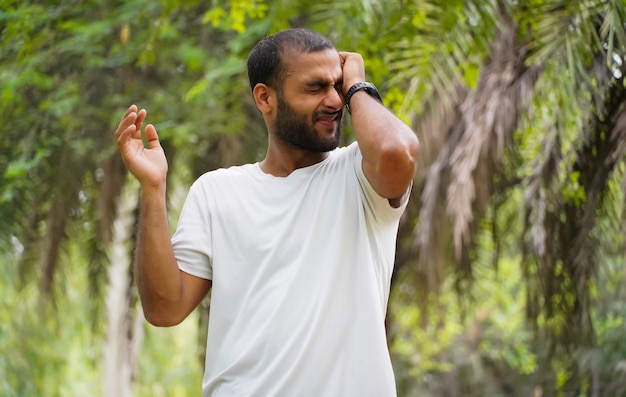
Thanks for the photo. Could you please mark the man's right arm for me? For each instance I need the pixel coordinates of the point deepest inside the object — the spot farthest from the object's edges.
(167, 294)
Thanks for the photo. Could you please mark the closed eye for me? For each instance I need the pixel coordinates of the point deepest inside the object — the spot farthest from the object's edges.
(316, 87)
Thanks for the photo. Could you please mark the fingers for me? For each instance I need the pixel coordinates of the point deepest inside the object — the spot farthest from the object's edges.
(128, 119)
(131, 109)
(345, 56)
(141, 116)
(131, 118)
(130, 128)
(353, 69)
(152, 137)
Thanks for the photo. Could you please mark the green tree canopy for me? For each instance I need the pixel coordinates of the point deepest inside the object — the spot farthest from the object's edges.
(510, 257)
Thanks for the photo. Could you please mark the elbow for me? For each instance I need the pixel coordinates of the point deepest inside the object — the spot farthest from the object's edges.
(412, 148)
(397, 166)
(159, 319)
(400, 157)
(404, 149)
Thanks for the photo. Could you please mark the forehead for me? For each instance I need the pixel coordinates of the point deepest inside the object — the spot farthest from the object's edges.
(302, 66)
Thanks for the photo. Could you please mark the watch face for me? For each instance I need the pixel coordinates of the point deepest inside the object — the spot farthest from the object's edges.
(371, 91)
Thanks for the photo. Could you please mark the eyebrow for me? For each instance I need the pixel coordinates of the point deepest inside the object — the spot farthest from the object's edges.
(323, 83)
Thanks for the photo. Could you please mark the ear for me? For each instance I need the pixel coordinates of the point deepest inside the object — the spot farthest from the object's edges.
(264, 97)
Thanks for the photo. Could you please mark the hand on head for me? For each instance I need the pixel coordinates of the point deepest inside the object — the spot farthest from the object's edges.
(353, 69)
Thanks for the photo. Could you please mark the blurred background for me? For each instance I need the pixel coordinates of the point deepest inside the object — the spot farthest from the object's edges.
(509, 277)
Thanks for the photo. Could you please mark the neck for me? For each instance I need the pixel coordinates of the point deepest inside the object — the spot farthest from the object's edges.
(282, 160)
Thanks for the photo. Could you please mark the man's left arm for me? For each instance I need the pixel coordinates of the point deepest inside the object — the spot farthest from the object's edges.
(389, 147)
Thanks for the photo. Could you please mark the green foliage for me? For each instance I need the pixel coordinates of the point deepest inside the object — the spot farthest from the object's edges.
(484, 342)
(68, 71)
(236, 17)
(43, 353)
(169, 364)
(438, 42)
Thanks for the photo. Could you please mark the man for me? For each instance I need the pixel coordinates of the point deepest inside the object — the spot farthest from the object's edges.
(297, 250)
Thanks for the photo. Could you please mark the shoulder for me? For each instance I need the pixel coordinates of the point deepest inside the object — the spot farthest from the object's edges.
(222, 174)
(345, 155)
(348, 151)
(223, 181)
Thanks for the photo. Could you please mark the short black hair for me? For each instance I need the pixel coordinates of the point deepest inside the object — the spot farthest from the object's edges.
(264, 61)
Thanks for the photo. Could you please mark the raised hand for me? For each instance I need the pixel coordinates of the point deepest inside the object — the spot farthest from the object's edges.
(148, 165)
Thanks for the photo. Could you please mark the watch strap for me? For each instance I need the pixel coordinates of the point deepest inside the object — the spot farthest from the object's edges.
(363, 86)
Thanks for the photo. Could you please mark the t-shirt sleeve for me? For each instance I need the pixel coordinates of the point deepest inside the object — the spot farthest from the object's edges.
(192, 240)
(378, 205)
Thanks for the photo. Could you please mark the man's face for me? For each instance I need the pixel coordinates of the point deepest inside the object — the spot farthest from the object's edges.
(299, 129)
(310, 107)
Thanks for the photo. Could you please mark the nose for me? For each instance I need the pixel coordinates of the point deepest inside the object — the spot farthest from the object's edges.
(334, 99)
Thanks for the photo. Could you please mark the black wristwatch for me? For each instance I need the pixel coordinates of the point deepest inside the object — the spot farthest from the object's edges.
(365, 86)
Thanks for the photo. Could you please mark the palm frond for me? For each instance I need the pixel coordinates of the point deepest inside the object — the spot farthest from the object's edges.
(478, 131)
(443, 43)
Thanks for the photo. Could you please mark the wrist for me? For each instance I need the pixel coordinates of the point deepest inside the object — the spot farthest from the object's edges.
(152, 191)
(351, 83)
(366, 87)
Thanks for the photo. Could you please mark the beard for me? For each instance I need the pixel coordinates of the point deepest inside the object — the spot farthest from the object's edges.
(297, 130)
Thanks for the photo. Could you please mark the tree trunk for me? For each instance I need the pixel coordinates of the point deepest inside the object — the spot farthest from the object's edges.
(125, 324)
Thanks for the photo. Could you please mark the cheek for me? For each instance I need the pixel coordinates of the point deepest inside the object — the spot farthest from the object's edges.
(302, 112)
(303, 109)
(303, 103)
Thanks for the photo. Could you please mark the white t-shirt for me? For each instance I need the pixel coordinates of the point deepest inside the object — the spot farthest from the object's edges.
(301, 270)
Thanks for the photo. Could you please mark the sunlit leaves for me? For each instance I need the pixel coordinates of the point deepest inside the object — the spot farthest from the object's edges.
(69, 70)
(444, 43)
(234, 16)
